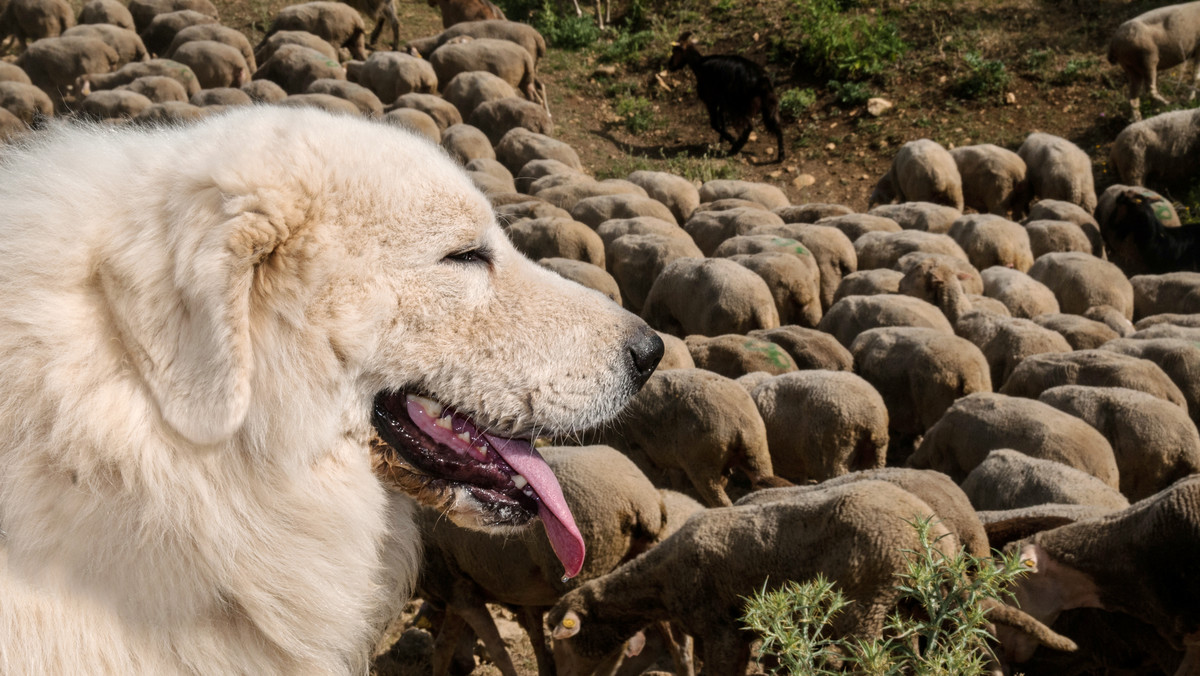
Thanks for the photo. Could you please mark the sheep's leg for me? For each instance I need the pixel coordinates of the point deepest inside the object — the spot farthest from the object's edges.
(599, 15)
(578, 9)
(532, 621)
(709, 485)
(394, 21)
(446, 642)
(1151, 65)
(1195, 64)
(485, 628)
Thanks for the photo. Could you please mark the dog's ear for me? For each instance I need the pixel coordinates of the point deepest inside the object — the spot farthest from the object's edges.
(190, 338)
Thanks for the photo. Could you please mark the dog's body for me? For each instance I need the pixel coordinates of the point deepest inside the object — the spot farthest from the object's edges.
(194, 325)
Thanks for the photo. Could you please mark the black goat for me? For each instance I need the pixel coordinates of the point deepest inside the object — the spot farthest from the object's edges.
(731, 87)
(1139, 243)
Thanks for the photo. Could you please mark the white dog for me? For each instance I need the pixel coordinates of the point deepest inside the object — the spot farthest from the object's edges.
(198, 327)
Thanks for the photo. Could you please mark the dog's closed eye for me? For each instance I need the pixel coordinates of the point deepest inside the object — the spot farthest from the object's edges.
(481, 255)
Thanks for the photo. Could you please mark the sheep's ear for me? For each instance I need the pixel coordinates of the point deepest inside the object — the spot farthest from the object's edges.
(1029, 556)
(635, 645)
(190, 337)
(567, 627)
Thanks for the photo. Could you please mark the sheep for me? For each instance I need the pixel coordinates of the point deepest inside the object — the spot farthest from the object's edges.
(1098, 368)
(734, 356)
(808, 348)
(294, 68)
(264, 91)
(164, 27)
(1148, 247)
(338, 24)
(924, 216)
(710, 228)
(694, 423)
(765, 194)
(855, 534)
(58, 65)
(1058, 210)
(1050, 236)
(709, 297)
(845, 429)
(612, 228)
(1008, 479)
(947, 500)
(1006, 342)
(144, 11)
(636, 260)
(11, 126)
(993, 240)
(586, 274)
(215, 64)
(1082, 333)
(852, 315)
(25, 102)
(112, 105)
(392, 74)
(1155, 443)
(619, 514)
(469, 89)
(920, 373)
(160, 89)
(126, 43)
(1112, 318)
(1081, 281)
(458, 11)
(1058, 169)
(32, 20)
(675, 353)
(221, 96)
(520, 145)
(497, 118)
(1138, 561)
(507, 60)
(218, 33)
(442, 112)
(868, 283)
(12, 73)
(790, 270)
(465, 143)
(811, 212)
(421, 123)
(1179, 359)
(272, 43)
(833, 251)
(565, 192)
(1156, 40)
(326, 102)
(854, 226)
(940, 280)
(993, 179)
(885, 249)
(557, 237)
(675, 192)
(360, 96)
(1163, 148)
(921, 171)
(984, 421)
(1024, 296)
(1175, 292)
(730, 87)
(170, 112)
(106, 12)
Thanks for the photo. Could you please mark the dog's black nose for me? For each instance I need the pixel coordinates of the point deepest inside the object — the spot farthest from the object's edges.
(646, 349)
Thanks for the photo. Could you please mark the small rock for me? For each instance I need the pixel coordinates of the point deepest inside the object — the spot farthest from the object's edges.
(877, 106)
(804, 180)
(830, 146)
(775, 174)
(1010, 98)
(605, 71)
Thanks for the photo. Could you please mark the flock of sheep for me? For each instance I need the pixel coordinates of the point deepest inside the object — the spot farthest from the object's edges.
(829, 374)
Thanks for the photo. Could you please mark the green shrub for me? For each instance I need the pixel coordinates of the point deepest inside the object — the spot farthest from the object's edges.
(1074, 71)
(842, 45)
(626, 47)
(794, 102)
(947, 637)
(564, 30)
(983, 77)
(636, 113)
(850, 93)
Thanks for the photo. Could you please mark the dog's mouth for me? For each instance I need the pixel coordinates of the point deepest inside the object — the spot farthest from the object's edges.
(437, 454)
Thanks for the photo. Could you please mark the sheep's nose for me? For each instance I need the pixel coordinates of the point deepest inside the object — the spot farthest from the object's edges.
(645, 350)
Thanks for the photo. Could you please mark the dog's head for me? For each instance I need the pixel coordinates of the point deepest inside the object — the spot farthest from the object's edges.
(329, 275)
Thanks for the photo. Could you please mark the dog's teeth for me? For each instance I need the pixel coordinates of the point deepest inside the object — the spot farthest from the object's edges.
(431, 407)
(444, 423)
(464, 437)
(482, 449)
(528, 491)
(519, 481)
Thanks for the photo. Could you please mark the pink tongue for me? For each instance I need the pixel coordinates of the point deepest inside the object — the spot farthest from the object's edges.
(552, 508)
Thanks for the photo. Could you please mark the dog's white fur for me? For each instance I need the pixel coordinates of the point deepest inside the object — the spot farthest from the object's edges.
(193, 325)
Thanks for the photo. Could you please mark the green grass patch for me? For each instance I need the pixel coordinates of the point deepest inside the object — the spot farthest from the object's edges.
(795, 102)
(637, 114)
(983, 77)
(837, 42)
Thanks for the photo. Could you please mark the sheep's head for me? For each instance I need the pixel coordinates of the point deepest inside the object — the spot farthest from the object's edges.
(683, 51)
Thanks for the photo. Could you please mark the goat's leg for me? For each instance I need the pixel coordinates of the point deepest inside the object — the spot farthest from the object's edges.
(717, 119)
(770, 117)
(741, 140)
(377, 30)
